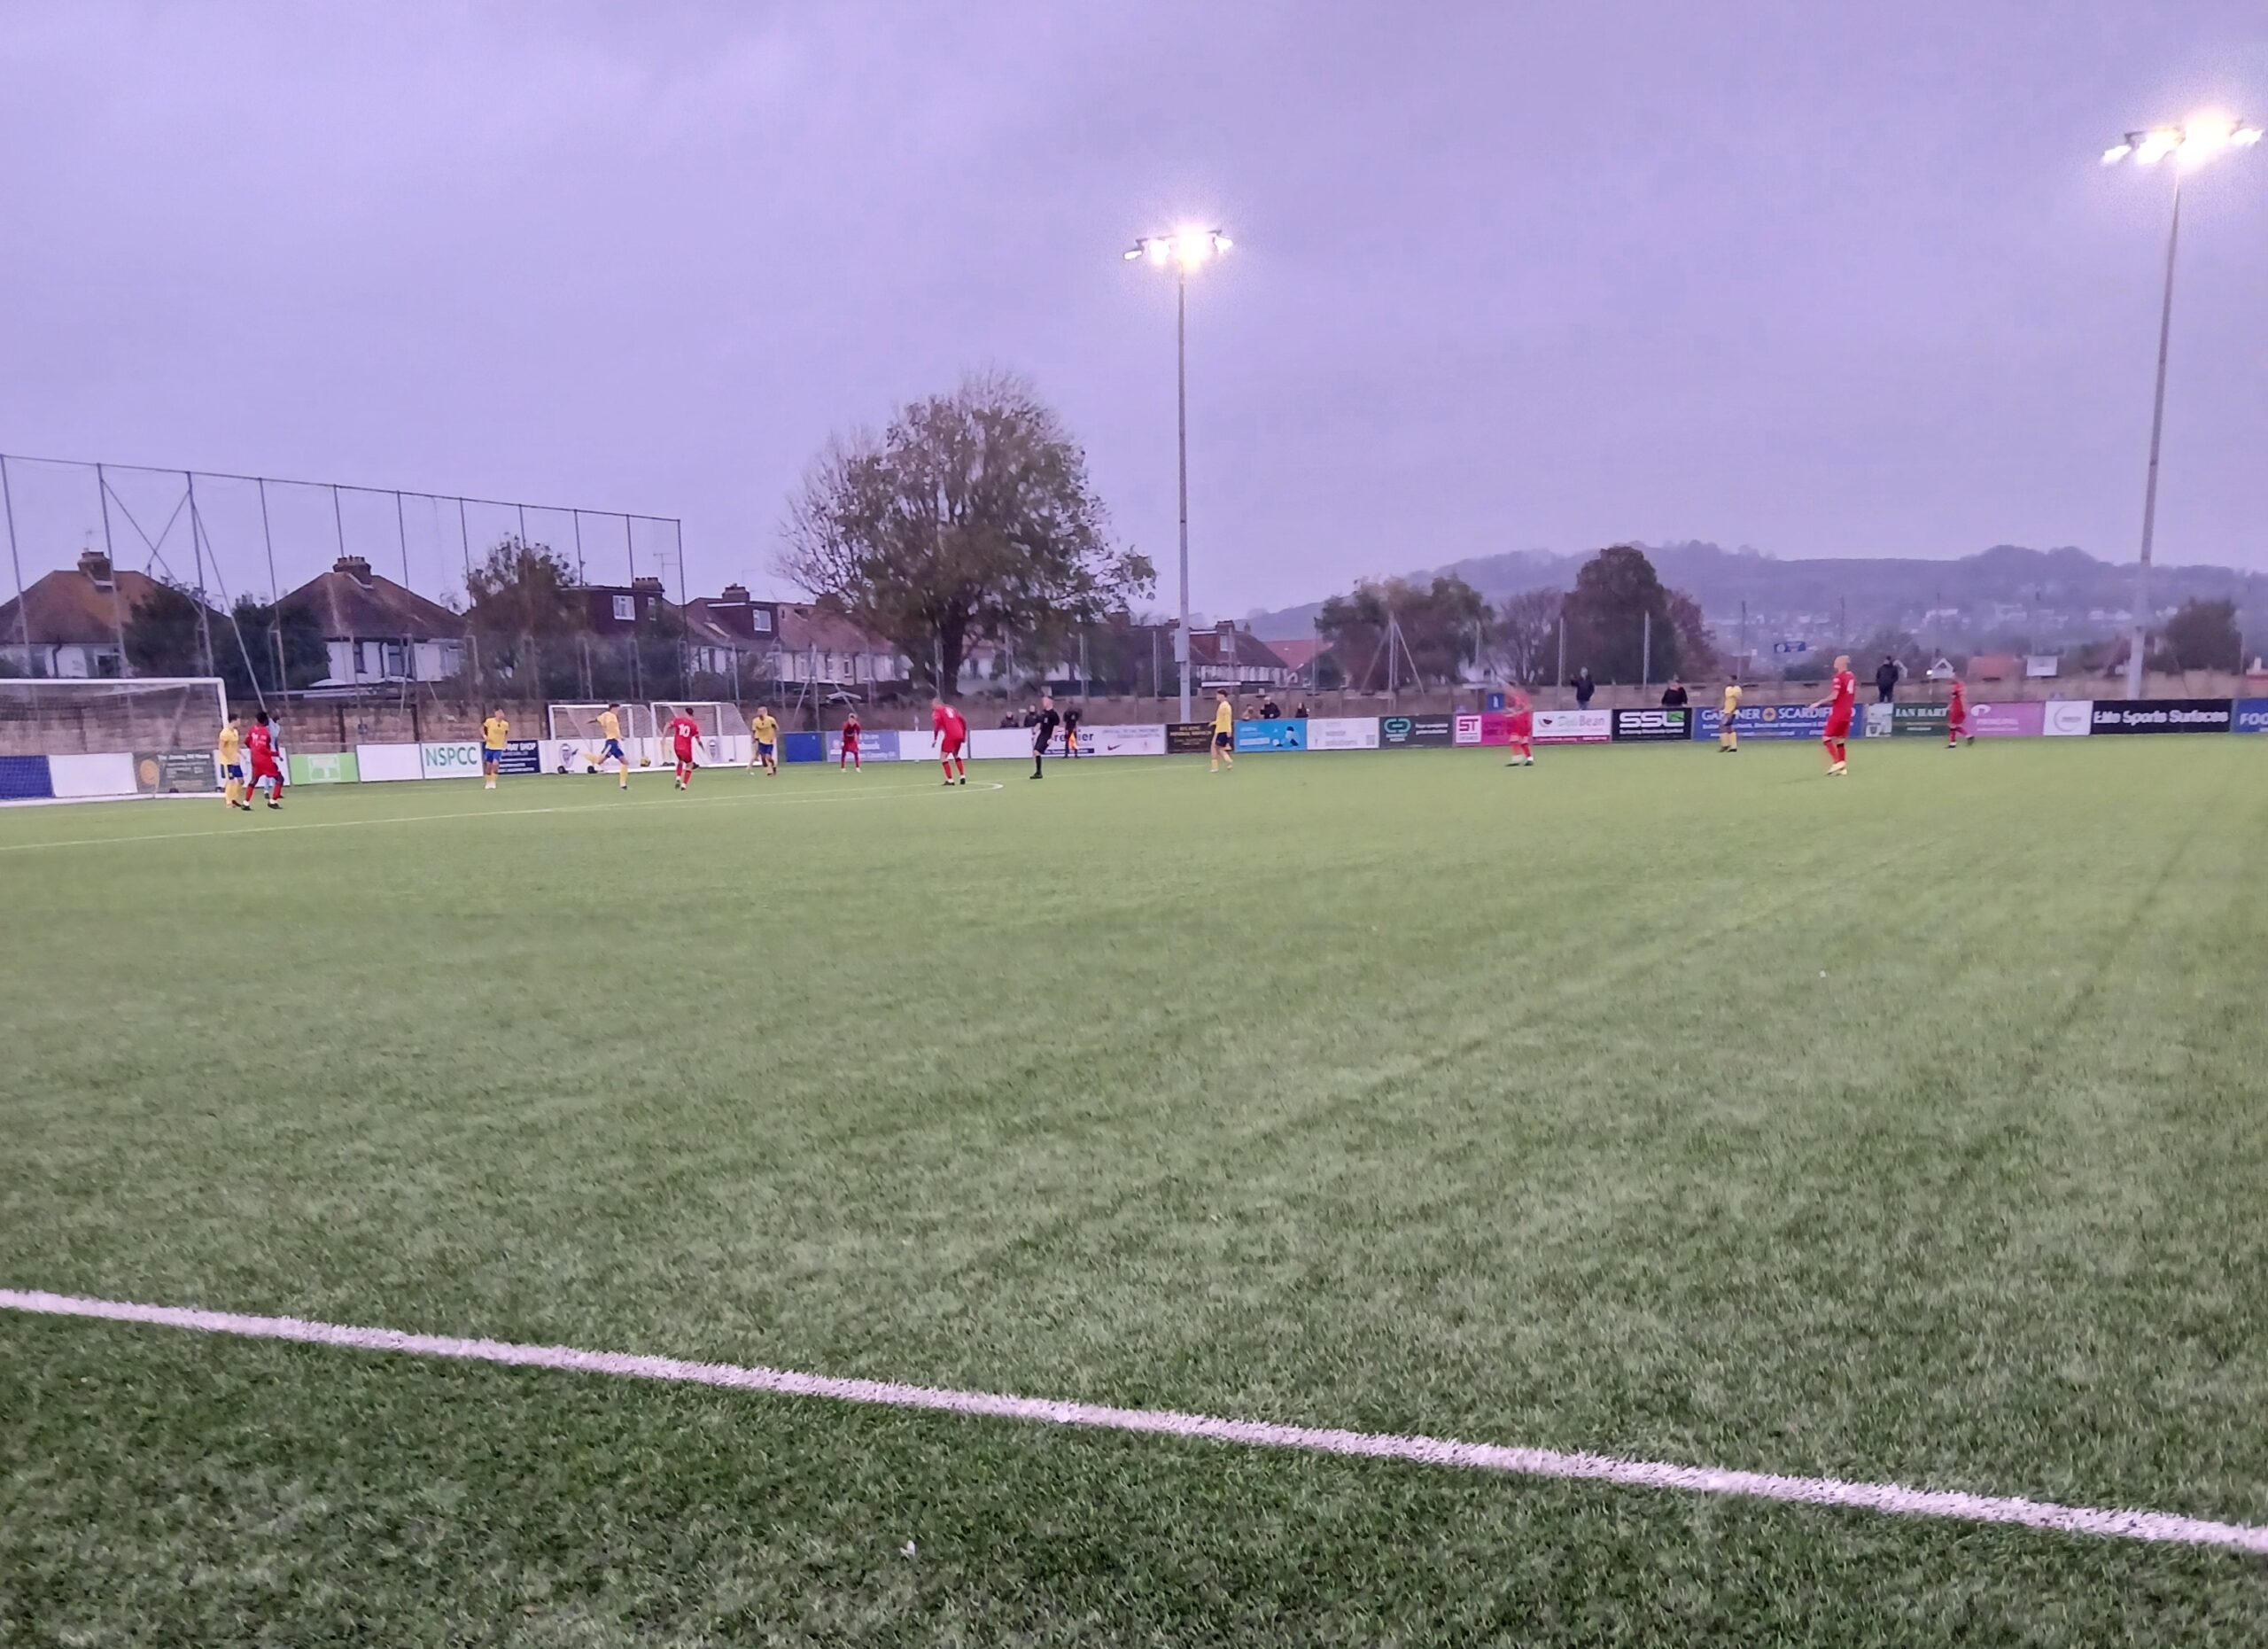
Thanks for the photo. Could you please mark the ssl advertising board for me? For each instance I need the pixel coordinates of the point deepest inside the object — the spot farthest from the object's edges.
(1644, 727)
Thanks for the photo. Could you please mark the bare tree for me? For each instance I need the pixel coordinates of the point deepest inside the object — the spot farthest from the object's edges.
(1527, 636)
(969, 517)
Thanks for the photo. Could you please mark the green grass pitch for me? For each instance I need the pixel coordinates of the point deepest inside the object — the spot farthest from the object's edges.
(1902, 1128)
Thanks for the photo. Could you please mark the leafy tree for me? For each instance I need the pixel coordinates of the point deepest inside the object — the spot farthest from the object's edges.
(1442, 625)
(257, 631)
(1618, 599)
(163, 636)
(970, 515)
(2203, 635)
(522, 605)
(1526, 643)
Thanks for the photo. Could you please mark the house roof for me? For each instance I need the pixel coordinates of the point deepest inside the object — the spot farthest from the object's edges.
(69, 607)
(1227, 648)
(350, 600)
(802, 627)
(1297, 655)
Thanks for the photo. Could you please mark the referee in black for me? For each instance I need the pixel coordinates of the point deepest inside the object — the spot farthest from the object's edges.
(1042, 730)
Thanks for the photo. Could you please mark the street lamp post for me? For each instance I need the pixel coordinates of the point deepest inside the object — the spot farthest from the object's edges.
(1186, 250)
(2192, 144)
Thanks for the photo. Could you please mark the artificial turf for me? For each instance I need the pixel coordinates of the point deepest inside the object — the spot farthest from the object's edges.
(1903, 1127)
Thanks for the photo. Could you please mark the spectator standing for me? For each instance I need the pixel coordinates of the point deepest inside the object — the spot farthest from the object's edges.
(1888, 674)
(1673, 696)
(1270, 711)
(1584, 687)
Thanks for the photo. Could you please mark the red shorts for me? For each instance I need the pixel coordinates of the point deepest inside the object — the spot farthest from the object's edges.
(1839, 727)
(950, 747)
(1957, 721)
(1523, 729)
(265, 770)
(684, 753)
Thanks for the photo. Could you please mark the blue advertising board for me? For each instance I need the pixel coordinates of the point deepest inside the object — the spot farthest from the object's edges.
(802, 747)
(520, 756)
(1771, 721)
(24, 778)
(874, 744)
(2251, 716)
(1284, 734)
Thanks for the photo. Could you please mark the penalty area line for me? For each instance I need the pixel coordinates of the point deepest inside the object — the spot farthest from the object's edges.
(1892, 1499)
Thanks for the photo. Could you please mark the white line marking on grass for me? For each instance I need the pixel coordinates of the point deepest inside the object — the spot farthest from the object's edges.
(251, 829)
(1832, 1491)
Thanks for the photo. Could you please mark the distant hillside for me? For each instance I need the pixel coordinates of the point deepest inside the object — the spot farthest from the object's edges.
(2050, 594)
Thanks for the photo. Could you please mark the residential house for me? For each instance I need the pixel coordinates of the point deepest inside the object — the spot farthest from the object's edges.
(75, 619)
(378, 631)
(817, 647)
(728, 630)
(1299, 657)
(1228, 655)
(619, 609)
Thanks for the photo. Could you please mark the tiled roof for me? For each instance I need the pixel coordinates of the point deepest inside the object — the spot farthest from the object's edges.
(68, 607)
(350, 601)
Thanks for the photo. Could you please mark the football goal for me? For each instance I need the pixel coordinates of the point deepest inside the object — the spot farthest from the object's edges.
(718, 722)
(102, 736)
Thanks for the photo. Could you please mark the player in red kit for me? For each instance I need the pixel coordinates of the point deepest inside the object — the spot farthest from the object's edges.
(1522, 732)
(1957, 731)
(259, 747)
(850, 756)
(683, 729)
(1842, 702)
(952, 738)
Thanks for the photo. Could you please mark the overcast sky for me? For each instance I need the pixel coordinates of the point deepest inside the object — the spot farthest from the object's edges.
(1824, 279)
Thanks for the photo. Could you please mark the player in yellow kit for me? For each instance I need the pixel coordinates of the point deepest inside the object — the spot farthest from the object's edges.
(764, 731)
(1727, 734)
(609, 731)
(231, 752)
(1224, 733)
(494, 732)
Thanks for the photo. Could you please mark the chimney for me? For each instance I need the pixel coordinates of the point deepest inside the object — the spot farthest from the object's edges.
(736, 594)
(646, 586)
(356, 567)
(1226, 627)
(95, 565)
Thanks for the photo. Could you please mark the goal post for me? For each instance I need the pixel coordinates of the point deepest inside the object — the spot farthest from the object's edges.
(106, 736)
(724, 735)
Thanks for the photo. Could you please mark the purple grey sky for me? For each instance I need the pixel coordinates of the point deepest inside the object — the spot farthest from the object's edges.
(1821, 279)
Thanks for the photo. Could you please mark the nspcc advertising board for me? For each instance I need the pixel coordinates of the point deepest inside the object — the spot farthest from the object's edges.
(1651, 726)
(1408, 732)
(2160, 715)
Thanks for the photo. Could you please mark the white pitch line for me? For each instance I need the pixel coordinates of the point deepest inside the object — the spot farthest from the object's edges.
(1828, 1492)
(495, 813)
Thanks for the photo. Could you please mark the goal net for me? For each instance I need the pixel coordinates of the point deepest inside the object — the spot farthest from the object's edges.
(718, 723)
(68, 716)
(578, 724)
